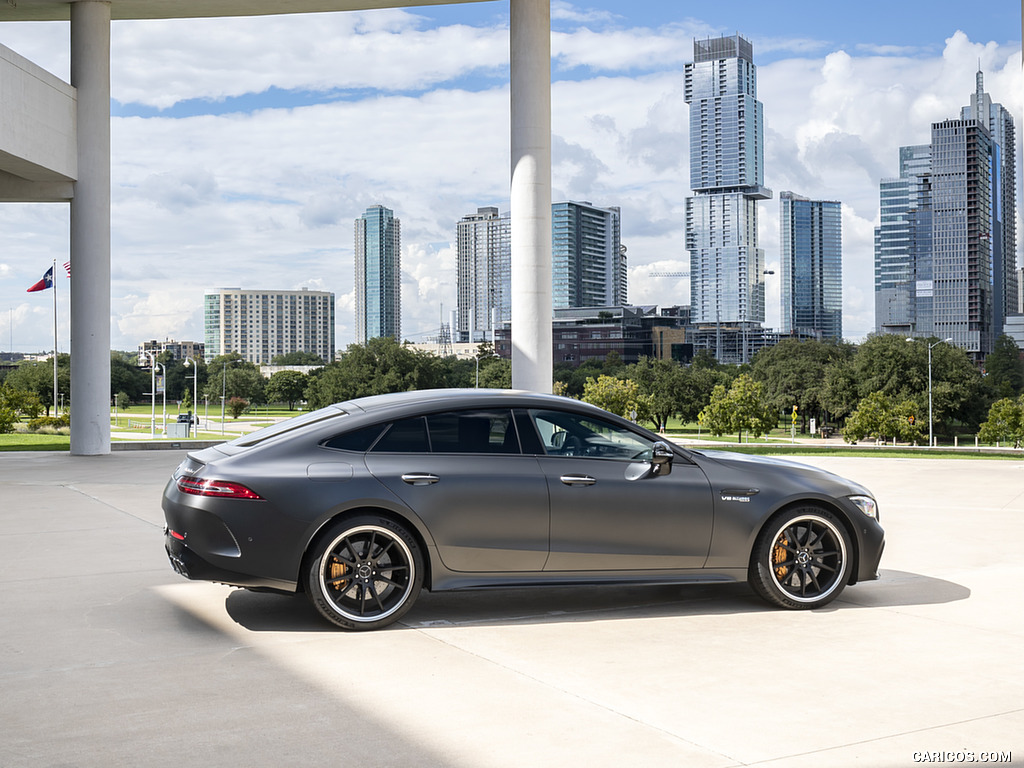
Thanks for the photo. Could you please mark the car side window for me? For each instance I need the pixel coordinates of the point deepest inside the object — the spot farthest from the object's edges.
(358, 440)
(405, 436)
(571, 434)
(473, 431)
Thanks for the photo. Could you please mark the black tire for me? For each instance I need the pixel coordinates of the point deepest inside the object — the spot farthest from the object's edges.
(365, 573)
(801, 559)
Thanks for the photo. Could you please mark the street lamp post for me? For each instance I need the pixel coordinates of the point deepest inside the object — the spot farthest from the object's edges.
(224, 389)
(164, 393)
(152, 393)
(931, 440)
(195, 390)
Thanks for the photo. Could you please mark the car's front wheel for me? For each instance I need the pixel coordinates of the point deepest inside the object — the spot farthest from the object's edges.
(801, 559)
(365, 573)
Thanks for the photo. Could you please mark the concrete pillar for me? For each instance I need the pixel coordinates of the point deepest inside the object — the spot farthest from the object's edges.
(90, 231)
(531, 194)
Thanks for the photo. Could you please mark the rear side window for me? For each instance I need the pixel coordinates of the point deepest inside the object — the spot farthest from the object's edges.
(483, 431)
(358, 440)
(405, 436)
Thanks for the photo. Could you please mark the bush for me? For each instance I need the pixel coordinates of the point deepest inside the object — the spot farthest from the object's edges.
(49, 422)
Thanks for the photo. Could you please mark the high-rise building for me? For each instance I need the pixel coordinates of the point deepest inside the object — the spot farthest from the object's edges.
(903, 246)
(1000, 126)
(812, 266)
(588, 262)
(945, 252)
(260, 325)
(484, 283)
(378, 264)
(727, 178)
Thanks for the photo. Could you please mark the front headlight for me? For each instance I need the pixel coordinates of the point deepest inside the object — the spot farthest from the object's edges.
(867, 505)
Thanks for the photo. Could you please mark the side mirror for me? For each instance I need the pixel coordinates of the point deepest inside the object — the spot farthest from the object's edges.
(660, 463)
(661, 458)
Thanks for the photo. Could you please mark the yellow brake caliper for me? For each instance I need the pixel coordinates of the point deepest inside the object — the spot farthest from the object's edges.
(338, 571)
(779, 555)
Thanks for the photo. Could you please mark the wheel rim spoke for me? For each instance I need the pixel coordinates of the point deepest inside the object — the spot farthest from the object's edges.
(376, 574)
(813, 561)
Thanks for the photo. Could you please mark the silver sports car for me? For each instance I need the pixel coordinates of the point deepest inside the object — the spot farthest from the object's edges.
(363, 503)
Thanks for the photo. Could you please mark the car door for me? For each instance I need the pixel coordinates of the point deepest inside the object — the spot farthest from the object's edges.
(462, 472)
(607, 512)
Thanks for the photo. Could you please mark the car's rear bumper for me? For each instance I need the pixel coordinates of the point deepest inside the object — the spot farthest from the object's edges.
(192, 565)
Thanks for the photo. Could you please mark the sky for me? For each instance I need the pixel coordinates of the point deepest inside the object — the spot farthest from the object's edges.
(243, 149)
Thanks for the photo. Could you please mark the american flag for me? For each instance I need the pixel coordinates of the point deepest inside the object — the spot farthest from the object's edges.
(67, 267)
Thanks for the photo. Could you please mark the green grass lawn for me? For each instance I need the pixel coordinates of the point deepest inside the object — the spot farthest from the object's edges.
(28, 441)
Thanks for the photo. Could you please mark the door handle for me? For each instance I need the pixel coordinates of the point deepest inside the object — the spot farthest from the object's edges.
(577, 479)
(419, 478)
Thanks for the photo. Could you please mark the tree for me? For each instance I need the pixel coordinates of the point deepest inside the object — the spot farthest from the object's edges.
(380, 366)
(1005, 423)
(1004, 368)
(795, 373)
(741, 408)
(236, 406)
(15, 404)
(297, 358)
(883, 417)
(127, 377)
(235, 377)
(618, 396)
(661, 382)
(286, 387)
(496, 373)
(37, 377)
(898, 368)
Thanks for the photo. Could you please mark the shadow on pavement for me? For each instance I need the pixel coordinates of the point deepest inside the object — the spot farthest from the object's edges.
(263, 612)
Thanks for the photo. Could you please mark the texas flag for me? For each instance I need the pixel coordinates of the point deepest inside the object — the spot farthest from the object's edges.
(46, 282)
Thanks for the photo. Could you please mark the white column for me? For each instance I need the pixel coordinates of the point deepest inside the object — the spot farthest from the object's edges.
(531, 194)
(90, 231)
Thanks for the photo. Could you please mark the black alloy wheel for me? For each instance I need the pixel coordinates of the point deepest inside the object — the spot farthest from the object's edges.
(366, 573)
(801, 559)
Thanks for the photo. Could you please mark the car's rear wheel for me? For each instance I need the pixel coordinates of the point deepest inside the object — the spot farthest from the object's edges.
(365, 573)
(801, 559)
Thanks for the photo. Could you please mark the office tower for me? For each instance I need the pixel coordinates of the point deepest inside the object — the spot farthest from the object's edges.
(812, 266)
(903, 247)
(727, 178)
(945, 253)
(999, 123)
(260, 325)
(588, 262)
(484, 273)
(378, 280)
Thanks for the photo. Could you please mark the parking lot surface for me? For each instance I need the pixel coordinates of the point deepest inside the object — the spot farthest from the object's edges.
(107, 657)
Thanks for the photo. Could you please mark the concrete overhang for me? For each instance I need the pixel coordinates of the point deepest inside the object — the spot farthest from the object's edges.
(60, 10)
(38, 151)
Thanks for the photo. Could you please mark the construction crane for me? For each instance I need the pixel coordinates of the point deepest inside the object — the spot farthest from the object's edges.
(668, 274)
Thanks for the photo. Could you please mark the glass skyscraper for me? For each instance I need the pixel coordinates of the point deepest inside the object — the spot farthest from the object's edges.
(727, 178)
(588, 262)
(378, 279)
(485, 273)
(812, 266)
(945, 251)
(903, 246)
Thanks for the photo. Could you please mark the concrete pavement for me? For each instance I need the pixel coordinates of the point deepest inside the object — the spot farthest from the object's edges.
(109, 658)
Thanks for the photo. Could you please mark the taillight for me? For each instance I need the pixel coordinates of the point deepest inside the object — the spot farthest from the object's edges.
(220, 488)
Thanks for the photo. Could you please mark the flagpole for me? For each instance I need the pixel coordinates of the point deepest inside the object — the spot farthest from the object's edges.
(55, 412)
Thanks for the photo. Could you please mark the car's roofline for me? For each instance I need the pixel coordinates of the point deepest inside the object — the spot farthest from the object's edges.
(465, 396)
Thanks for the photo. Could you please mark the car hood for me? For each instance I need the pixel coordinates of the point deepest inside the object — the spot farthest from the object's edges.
(740, 463)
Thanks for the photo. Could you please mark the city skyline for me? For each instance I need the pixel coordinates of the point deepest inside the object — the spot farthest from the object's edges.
(227, 164)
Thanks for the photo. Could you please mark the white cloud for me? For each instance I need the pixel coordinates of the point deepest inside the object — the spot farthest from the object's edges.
(267, 198)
